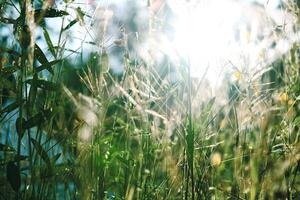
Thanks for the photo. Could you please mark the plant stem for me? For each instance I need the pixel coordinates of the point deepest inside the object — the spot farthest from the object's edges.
(190, 135)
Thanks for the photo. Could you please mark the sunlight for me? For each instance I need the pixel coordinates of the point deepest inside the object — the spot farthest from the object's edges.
(205, 32)
(224, 35)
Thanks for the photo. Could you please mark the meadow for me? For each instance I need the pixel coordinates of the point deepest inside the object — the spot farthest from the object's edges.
(113, 119)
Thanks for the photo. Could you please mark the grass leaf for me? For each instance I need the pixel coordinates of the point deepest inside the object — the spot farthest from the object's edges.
(39, 55)
(20, 126)
(39, 14)
(48, 41)
(10, 107)
(42, 153)
(70, 24)
(47, 66)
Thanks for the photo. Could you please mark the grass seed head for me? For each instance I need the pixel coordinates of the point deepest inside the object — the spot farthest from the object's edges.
(216, 159)
(283, 97)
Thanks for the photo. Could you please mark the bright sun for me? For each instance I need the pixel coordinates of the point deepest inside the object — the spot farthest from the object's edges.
(221, 35)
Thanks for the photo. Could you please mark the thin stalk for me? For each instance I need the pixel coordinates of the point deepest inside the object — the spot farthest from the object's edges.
(20, 86)
(190, 136)
(186, 177)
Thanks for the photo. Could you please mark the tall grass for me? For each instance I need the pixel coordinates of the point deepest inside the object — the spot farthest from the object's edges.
(84, 132)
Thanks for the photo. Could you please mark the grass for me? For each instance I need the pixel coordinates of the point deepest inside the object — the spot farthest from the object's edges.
(83, 132)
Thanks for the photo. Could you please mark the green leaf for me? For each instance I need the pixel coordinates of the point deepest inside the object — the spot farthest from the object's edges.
(10, 107)
(66, 49)
(39, 55)
(13, 176)
(33, 91)
(70, 24)
(39, 14)
(48, 41)
(47, 66)
(42, 153)
(20, 126)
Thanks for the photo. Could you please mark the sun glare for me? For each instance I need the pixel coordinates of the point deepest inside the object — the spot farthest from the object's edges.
(205, 30)
(217, 36)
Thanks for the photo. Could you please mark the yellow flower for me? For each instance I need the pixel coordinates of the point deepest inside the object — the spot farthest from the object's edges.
(216, 159)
